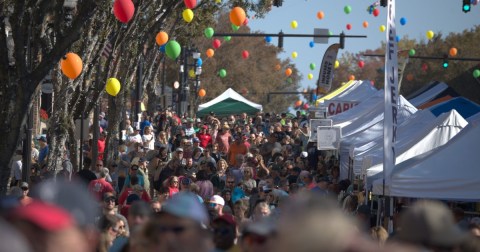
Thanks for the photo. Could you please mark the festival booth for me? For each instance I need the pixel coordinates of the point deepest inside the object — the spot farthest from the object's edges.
(450, 172)
(431, 92)
(418, 141)
(228, 103)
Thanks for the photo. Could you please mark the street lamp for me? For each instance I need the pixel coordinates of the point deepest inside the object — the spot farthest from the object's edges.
(184, 85)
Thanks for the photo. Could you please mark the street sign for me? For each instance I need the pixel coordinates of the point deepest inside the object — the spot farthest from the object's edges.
(328, 138)
(314, 124)
(320, 31)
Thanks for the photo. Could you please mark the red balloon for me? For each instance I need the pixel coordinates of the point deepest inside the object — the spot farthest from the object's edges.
(361, 64)
(216, 43)
(424, 67)
(376, 12)
(349, 26)
(305, 106)
(245, 22)
(190, 4)
(245, 54)
(123, 10)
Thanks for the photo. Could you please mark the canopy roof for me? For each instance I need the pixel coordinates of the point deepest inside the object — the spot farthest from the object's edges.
(462, 105)
(431, 92)
(228, 103)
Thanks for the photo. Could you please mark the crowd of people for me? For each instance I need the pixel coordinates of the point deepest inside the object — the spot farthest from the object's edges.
(237, 183)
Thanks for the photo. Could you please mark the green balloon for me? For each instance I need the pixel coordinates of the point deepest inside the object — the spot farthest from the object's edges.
(173, 49)
(411, 52)
(209, 32)
(222, 73)
(330, 33)
(227, 38)
(289, 80)
(235, 28)
(476, 73)
(312, 66)
(347, 9)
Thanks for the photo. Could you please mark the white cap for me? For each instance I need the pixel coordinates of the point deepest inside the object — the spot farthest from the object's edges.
(217, 200)
(304, 154)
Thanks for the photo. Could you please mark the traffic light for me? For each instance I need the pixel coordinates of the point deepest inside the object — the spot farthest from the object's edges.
(280, 39)
(277, 3)
(445, 61)
(383, 3)
(466, 6)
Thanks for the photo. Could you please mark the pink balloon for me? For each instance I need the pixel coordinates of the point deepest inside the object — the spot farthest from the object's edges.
(190, 3)
(349, 26)
(245, 54)
(123, 10)
(216, 43)
(305, 106)
(361, 64)
(245, 22)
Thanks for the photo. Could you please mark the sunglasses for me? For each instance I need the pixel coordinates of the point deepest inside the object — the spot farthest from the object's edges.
(175, 181)
(25, 188)
(230, 182)
(212, 205)
(109, 199)
(99, 164)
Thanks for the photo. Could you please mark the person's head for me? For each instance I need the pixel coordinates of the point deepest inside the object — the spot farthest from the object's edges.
(147, 130)
(227, 195)
(25, 188)
(222, 165)
(104, 172)
(261, 210)
(379, 234)
(156, 206)
(247, 173)
(230, 182)
(185, 184)
(240, 208)
(139, 213)
(133, 169)
(174, 182)
(42, 141)
(99, 165)
(179, 153)
(224, 231)
(109, 202)
(215, 205)
(110, 225)
(189, 162)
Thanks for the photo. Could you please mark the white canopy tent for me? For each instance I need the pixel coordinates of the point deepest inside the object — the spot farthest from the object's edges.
(436, 134)
(360, 110)
(424, 96)
(359, 91)
(451, 171)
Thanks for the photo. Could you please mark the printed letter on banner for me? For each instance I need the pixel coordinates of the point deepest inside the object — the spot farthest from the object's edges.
(324, 82)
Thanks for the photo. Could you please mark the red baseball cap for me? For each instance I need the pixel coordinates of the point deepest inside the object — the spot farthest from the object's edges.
(47, 216)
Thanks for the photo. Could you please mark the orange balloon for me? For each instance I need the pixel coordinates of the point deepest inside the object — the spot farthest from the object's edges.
(237, 16)
(210, 52)
(278, 67)
(288, 72)
(202, 92)
(351, 77)
(320, 15)
(409, 77)
(71, 65)
(161, 38)
(365, 24)
(298, 103)
(453, 51)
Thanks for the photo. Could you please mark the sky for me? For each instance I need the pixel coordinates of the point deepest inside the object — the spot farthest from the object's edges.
(444, 16)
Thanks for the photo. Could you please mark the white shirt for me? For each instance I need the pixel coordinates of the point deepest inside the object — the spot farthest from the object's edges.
(148, 141)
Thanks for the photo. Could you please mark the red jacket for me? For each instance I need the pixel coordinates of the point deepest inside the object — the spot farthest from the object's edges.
(205, 139)
(99, 187)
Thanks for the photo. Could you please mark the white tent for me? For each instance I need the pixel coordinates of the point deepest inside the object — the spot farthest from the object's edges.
(367, 129)
(432, 91)
(359, 91)
(436, 134)
(229, 102)
(448, 172)
(361, 109)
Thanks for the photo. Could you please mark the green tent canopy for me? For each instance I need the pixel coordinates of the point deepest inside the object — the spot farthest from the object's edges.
(228, 103)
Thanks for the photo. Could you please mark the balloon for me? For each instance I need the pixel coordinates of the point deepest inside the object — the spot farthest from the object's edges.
(191, 73)
(190, 3)
(347, 9)
(245, 22)
(244, 91)
(430, 34)
(210, 52)
(351, 77)
(403, 21)
(199, 62)
(294, 24)
(222, 73)
(71, 65)
(409, 77)
(245, 54)
(235, 27)
(397, 38)
(237, 16)
(476, 73)
(218, 1)
(123, 10)
(187, 15)
(208, 32)
(288, 72)
(113, 86)
(173, 49)
(305, 106)
(314, 97)
(162, 48)
(365, 24)
(311, 44)
(161, 38)
(294, 55)
(216, 43)
(320, 15)
(202, 92)
(312, 66)
(349, 26)
(268, 39)
(227, 38)
(424, 67)
(361, 64)
(376, 12)
(382, 28)
(337, 64)
(330, 33)
(411, 52)
(310, 76)
(277, 67)
(453, 52)
(298, 103)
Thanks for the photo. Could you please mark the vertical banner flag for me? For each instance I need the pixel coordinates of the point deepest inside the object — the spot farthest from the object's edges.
(325, 77)
(391, 95)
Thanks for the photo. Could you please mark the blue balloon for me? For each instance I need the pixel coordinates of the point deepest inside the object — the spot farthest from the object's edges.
(403, 21)
(199, 62)
(268, 39)
(311, 44)
(314, 97)
(397, 38)
(162, 48)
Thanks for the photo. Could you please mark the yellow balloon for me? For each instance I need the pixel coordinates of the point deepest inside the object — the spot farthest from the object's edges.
(294, 55)
(430, 34)
(310, 76)
(382, 28)
(294, 24)
(187, 15)
(142, 107)
(113, 86)
(218, 1)
(191, 73)
(337, 64)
